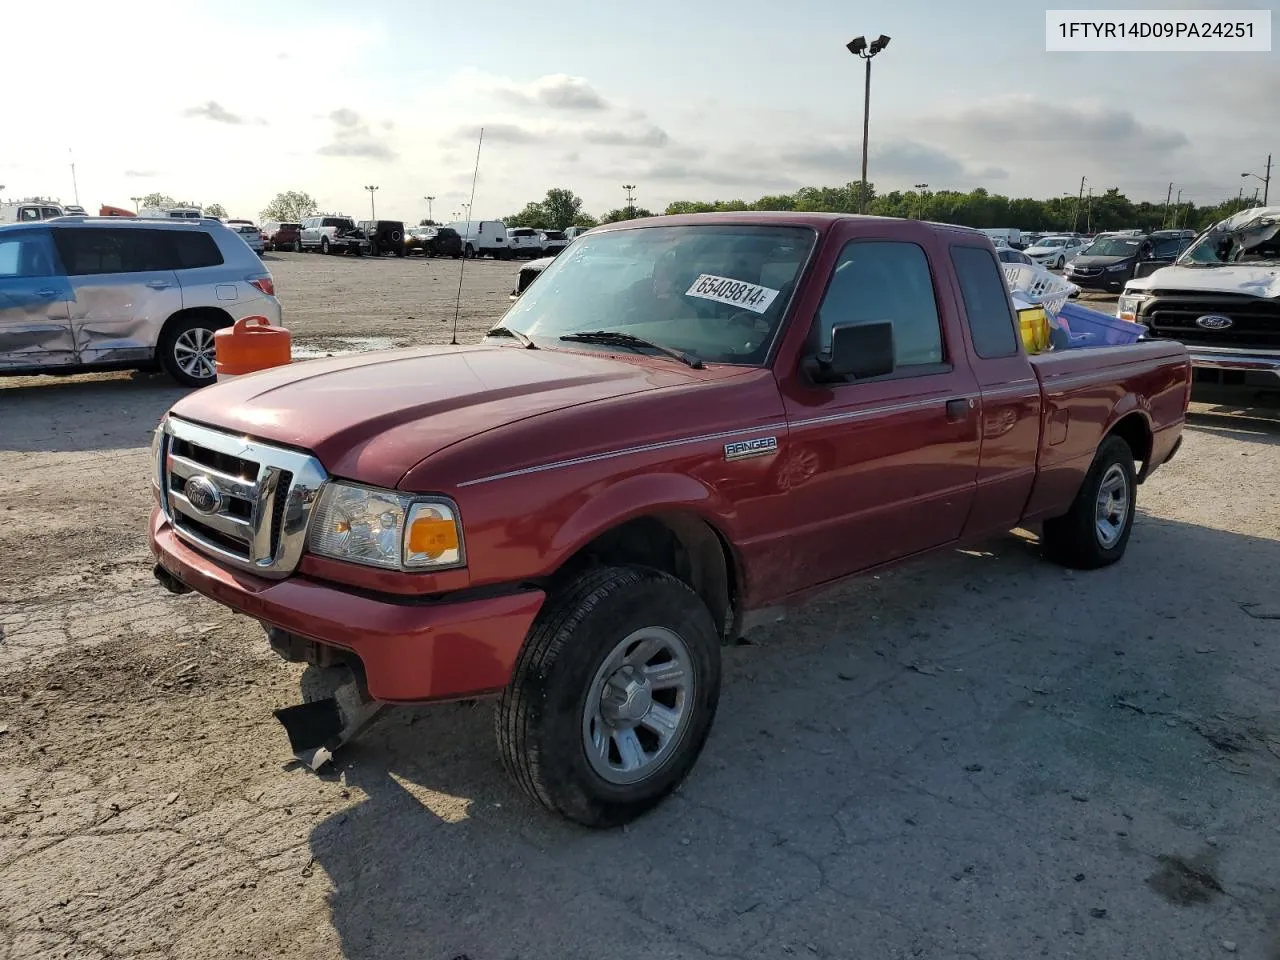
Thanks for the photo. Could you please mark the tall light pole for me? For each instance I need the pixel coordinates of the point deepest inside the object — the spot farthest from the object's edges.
(922, 187)
(373, 214)
(1075, 217)
(859, 47)
(75, 187)
(429, 199)
(1177, 208)
(1164, 218)
(1266, 181)
(137, 204)
(631, 200)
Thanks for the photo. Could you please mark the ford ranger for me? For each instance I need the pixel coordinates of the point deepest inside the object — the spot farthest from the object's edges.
(685, 426)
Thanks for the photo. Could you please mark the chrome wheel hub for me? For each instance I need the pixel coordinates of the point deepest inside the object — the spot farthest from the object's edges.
(1112, 510)
(194, 353)
(638, 706)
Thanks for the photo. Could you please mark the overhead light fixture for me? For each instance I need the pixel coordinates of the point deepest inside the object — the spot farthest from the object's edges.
(857, 45)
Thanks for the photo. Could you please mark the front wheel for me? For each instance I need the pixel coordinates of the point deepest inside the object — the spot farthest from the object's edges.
(297, 246)
(613, 695)
(469, 252)
(187, 352)
(1095, 531)
(324, 245)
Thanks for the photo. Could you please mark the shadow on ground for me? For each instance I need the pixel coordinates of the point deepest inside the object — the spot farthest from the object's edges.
(83, 413)
(913, 764)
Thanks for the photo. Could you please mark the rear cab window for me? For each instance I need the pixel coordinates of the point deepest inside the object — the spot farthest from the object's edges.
(986, 302)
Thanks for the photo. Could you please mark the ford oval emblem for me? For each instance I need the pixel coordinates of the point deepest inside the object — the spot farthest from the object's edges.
(1213, 321)
(202, 494)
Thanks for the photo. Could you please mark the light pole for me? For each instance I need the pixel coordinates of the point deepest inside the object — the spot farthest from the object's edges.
(859, 47)
(137, 204)
(631, 200)
(922, 187)
(1266, 181)
(466, 211)
(1075, 217)
(373, 214)
(429, 199)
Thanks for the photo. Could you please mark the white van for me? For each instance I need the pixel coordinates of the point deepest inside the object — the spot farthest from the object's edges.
(170, 213)
(483, 237)
(29, 211)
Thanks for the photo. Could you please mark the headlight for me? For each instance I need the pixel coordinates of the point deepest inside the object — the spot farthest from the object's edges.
(1127, 306)
(157, 450)
(382, 528)
(1118, 268)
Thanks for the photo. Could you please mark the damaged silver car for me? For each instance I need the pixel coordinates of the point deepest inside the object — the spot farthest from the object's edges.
(85, 293)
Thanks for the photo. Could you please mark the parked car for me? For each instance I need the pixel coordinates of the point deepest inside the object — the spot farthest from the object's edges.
(444, 242)
(483, 238)
(574, 232)
(30, 211)
(523, 242)
(1110, 262)
(1221, 298)
(385, 236)
(1010, 255)
(415, 239)
(282, 236)
(1054, 252)
(87, 293)
(551, 242)
(703, 420)
(529, 273)
(250, 234)
(333, 234)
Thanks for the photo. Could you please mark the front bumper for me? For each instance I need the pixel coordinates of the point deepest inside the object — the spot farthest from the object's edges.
(1103, 281)
(1232, 358)
(411, 651)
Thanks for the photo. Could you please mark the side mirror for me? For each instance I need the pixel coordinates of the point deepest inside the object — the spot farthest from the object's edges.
(858, 350)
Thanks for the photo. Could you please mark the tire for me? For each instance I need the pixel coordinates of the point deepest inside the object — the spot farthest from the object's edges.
(297, 246)
(469, 252)
(546, 717)
(324, 246)
(186, 351)
(400, 251)
(1077, 539)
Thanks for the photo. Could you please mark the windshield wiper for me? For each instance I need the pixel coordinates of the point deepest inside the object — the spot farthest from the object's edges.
(620, 339)
(525, 340)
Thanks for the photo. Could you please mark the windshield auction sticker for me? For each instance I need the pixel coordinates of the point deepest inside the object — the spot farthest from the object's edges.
(737, 293)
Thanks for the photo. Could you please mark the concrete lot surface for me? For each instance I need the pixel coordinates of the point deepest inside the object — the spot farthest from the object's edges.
(978, 756)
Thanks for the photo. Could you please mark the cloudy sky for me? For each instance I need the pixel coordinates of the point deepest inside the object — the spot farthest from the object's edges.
(234, 101)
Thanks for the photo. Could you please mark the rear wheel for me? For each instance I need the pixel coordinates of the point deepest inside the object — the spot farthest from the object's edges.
(324, 245)
(297, 246)
(613, 695)
(1095, 531)
(187, 351)
(469, 252)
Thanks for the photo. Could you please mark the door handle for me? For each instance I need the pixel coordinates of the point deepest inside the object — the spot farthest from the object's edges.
(47, 293)
(959, 409)
(158, 284)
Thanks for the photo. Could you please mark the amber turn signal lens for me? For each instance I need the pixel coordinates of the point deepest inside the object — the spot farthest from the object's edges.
(433, 536)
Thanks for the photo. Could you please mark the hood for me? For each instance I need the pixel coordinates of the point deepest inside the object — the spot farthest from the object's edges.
(1042, 251)
(373, 416)
(1096, 260)
(1258, 281)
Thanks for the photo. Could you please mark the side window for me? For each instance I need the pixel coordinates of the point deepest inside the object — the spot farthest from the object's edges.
(1167, 248)
(193, 249)
(90, 252)
(986, 303)
(27, 255)
(29, 213)
(877, 280)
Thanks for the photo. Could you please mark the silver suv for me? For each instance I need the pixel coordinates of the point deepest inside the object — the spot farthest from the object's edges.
(88, 293)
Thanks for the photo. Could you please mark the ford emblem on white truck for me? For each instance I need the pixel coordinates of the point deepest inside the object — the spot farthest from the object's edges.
(202, 494)
(759, 447)
(1213, 321)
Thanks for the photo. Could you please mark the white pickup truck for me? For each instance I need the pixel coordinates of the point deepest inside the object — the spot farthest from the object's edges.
(1221, 298)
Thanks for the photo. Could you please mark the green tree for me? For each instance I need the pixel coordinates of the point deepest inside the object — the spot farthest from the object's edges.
(533, 215)
(215, 210)
(158, 200)
(290, 207)
(558, 210)
(625, 213)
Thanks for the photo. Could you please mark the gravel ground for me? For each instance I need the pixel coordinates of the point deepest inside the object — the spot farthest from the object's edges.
(980, 755)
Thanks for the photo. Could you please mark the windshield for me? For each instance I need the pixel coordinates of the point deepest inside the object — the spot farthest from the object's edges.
(716, 293)
(1112, 247)
(1257, 241)
(1052, 242)
(553, 234)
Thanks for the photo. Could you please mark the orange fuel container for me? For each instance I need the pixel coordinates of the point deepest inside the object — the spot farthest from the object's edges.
(251, 344)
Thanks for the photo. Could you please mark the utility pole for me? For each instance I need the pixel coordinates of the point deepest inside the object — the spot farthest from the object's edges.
(1088, 213)
(373, 214)
(1075, 218)
(1176, 208)
(1164, 217)
(631, 200)
(1266, 181)
(859, 47)
(76, 189)
(429, 199)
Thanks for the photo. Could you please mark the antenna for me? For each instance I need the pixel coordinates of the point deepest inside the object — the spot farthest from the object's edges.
(457, 304)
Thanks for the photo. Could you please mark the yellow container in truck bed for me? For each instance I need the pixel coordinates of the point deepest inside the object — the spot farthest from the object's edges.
(1033, 323)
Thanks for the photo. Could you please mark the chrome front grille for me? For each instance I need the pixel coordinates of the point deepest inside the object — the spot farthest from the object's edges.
(244, 502)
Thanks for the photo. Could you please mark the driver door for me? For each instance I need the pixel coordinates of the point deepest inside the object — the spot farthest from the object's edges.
(35, 325)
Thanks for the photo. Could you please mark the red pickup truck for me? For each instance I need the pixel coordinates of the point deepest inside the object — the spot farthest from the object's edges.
(682, 427)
